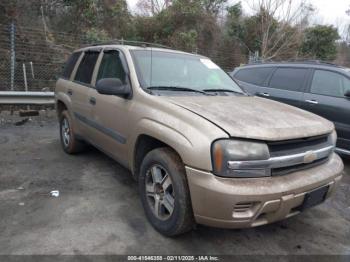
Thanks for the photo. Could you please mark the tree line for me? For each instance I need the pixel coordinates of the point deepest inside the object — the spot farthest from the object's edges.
(272, 30)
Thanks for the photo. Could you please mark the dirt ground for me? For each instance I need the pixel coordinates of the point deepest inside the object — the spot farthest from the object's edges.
(98, 209)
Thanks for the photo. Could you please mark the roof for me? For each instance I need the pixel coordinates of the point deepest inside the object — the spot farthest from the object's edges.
(132, 47)
(301, 64)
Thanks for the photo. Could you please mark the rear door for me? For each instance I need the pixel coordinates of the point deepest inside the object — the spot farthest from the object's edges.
(110, 114)
(287, 85)
(79, 90)
(64, 83)
(326, 98)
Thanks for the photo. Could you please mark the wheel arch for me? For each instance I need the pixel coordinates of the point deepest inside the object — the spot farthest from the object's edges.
(63, 102)
(60, 107)
(144, 144)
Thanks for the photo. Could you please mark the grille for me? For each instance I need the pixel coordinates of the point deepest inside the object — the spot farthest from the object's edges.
(295, 146)
(286, 170)
(291, 147)
(242, 207)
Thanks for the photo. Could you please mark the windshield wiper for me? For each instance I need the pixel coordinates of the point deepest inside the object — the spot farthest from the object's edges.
(178, 88)
(224, 90)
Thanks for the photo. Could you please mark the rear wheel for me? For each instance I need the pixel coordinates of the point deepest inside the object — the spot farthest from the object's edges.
(164, 192)
(69, 142)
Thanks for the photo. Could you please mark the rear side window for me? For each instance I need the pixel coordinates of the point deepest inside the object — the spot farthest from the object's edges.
(69, 66)
(111, 66)
(329, 83)
(291, 79)
(256, 76)
(346, 84)
(86, 67)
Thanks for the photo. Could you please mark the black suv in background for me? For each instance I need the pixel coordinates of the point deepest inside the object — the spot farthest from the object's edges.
(321, 88)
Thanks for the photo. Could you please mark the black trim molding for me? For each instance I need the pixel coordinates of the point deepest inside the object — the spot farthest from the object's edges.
(107, 131)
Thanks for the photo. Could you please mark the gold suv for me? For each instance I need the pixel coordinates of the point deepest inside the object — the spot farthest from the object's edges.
(201, 149)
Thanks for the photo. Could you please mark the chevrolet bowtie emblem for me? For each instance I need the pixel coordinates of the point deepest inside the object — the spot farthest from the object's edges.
(310, 156)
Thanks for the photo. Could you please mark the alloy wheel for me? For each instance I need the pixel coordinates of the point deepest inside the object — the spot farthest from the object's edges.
(159, 192)
(65, 130)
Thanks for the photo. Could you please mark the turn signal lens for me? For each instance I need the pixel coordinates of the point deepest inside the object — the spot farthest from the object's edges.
(218, 157)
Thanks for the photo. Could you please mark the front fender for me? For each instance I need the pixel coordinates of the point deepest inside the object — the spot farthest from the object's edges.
(192, 145)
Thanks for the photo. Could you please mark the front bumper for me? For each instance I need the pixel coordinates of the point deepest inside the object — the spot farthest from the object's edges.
(250, 202)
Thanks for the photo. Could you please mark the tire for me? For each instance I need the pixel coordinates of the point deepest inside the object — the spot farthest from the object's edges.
(70, 144)
(157, 167)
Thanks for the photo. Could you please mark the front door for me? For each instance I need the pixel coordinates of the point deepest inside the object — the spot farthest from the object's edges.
(110, 114)
(287, 85)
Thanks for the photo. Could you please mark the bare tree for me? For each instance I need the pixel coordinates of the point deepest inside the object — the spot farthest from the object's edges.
(152, 7)
(281, 25)
(346, 31)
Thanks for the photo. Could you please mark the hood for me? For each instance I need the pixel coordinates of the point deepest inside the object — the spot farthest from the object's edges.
(255, 118)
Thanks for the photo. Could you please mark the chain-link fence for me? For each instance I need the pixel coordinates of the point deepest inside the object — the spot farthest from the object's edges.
(32, 58)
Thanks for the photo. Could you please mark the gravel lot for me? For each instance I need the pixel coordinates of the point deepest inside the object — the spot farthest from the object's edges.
(98, 210)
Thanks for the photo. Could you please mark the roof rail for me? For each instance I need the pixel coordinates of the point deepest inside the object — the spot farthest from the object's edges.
(129, 42)
(297, 61)
(311, 61)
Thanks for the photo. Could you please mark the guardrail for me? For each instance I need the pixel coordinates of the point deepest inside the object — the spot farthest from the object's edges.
(26, 98)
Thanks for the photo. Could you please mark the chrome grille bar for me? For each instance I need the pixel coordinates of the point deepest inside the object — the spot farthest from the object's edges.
(283, 161)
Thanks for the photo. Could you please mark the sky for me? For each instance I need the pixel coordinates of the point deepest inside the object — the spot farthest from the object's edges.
(327, 11)
(331, 12)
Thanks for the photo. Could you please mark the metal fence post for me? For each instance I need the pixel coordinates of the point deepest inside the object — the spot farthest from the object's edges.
(44, 22)
(25, 80)
(32, 69)
(13, 54)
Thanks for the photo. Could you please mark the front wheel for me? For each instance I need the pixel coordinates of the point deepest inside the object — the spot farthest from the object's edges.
(164, 192)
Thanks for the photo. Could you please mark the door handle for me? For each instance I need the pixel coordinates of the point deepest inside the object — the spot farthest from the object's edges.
(92, 100)
(264, 94)
(70, 92)
(314, 102)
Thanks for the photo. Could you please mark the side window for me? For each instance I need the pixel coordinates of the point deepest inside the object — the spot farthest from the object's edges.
(256, 76)
(291, 79)
(328, 83)
(86, 67)
(69, 66)
(346, 84)
(111, 66)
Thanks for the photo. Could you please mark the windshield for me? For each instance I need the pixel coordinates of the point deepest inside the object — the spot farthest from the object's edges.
(167, 69)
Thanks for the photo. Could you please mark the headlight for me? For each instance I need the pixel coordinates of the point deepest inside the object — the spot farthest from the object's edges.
(333, 138)
(237, 150)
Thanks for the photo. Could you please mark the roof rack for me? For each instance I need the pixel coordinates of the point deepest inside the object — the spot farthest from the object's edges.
(129, 42)
(297, 61)
(310, 61)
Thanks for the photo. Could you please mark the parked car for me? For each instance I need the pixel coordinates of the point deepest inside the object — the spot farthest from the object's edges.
(321, 88)
(201, 149)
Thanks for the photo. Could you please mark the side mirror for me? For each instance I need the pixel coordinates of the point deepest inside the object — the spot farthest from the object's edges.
(112, 86)
(347, 94)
